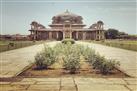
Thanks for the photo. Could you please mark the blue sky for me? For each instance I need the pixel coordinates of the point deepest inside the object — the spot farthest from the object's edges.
(16, 15)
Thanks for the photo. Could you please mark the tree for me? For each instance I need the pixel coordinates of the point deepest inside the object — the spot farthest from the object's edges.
(111, 33)
(122, 33)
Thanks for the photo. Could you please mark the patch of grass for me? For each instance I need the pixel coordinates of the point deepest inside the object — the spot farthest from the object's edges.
(124, 44)
(10, 45)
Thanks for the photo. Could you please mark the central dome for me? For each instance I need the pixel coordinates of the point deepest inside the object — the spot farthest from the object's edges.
(67, 16)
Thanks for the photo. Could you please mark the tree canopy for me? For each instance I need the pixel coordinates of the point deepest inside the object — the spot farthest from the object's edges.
(111, 33)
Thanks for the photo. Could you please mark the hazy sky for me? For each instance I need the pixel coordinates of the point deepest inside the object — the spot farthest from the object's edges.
(16, 15)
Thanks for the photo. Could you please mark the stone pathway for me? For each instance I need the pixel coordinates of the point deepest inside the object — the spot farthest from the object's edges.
(71, 84)
(12, 62)
(127, 58)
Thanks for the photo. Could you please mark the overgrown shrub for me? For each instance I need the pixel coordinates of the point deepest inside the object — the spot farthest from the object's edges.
(45, 59)
(97, 61)
(108, 66)
(39, 60)
(104, 65)
(71, 60)
(65, 41)
(70, 54)
(88, 53)
(11, 44)
(62, 49)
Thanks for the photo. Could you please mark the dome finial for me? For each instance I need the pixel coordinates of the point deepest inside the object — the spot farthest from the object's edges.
(66, 11)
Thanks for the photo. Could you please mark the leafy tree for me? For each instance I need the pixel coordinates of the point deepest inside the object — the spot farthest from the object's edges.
(122, 33)
(111, 33)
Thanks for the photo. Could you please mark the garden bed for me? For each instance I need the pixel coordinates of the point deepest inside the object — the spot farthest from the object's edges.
(68, 59)
(85, 71)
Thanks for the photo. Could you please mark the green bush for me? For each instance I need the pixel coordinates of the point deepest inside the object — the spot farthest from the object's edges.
(45, 59)
(39, 61)
(71, 60)
(65, 41)
(108, 66)
(88, 53)
(71, 54)
(97, 62)
(104, 65)
(11, 44)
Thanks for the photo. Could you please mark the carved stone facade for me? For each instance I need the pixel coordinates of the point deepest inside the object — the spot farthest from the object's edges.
(67, 25)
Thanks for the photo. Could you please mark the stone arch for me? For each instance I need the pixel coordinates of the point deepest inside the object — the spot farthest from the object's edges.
(80, 35)
(74, 35)
(60, 35)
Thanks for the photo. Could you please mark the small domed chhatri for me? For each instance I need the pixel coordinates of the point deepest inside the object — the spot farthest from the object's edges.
(67, 25)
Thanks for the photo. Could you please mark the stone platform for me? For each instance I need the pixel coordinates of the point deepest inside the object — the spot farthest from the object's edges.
(71, 84)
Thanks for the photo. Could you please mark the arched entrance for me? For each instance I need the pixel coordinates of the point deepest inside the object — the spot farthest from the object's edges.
(74, 35)
(80, 35)
(60, 35)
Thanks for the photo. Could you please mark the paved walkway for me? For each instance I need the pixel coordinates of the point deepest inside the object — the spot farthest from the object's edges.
(128, 59)
(71, 84)
(12, 62)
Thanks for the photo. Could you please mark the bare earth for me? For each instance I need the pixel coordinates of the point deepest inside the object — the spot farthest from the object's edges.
(57, 70)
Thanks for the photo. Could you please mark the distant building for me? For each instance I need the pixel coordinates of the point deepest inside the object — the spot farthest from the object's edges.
(14, 37)
(67, 25)
(5, 37)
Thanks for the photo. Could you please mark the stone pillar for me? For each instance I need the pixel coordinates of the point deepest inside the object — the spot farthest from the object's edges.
(76, 35)
(100, 35)
(63, 31)
(102, 27)
(70, 34)
(63, 35)
(84, 35)
(57, 35)
(70, 31)
(97, 35)
(35, 34)
(30, 32)
(50, 35)
(103, 35)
